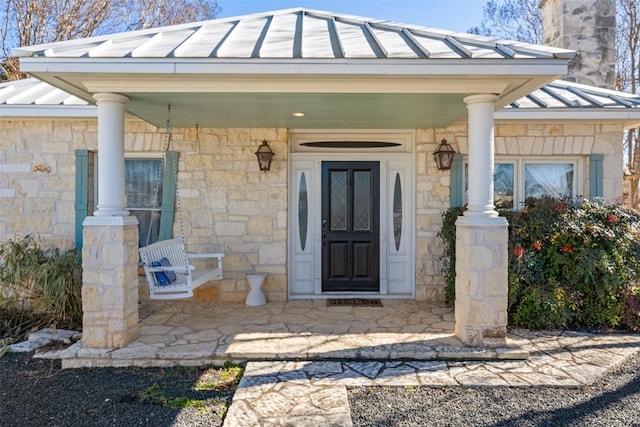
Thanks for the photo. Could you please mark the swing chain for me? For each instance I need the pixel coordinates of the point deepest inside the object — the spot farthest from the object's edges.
(169, 145)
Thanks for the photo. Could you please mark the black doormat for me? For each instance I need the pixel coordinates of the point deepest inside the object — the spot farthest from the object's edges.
(354, 302)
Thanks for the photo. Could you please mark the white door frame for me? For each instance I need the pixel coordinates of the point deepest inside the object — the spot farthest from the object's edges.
(397, 262)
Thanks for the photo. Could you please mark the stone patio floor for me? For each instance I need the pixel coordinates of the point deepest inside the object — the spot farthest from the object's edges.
(301, 355)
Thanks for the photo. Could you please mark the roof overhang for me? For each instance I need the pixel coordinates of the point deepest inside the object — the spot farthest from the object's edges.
(629, 117)
(334, 93)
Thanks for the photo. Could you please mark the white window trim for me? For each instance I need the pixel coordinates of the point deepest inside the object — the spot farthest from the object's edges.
(518, 171)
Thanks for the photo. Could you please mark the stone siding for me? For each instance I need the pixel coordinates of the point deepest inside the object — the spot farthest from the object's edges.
(526, 140)
(229, 206)
(589, 28)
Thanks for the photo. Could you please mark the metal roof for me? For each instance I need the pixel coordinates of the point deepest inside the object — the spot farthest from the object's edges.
(294, 34)
(563, 94)
(35, 92)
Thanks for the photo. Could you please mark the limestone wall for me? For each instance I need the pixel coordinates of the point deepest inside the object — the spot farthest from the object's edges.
(576, 140)
(228, 205)
(37, 177)
(589, 28)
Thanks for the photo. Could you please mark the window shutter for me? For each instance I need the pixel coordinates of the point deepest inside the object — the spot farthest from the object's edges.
(169, 176)
(82, 193)
(457, 181)
(595, 175)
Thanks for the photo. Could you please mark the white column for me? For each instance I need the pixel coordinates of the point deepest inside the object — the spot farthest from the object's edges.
(111, 200)
(481, 153)
(481, 240)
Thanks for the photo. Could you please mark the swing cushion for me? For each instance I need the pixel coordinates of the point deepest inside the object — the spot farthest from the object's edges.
(164, 278)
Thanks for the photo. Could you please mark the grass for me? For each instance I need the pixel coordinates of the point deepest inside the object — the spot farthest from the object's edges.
(193, 388)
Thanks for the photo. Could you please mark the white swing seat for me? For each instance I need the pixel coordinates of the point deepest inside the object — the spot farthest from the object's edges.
(187, 277)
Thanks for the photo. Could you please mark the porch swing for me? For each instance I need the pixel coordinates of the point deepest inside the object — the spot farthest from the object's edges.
(166, 263)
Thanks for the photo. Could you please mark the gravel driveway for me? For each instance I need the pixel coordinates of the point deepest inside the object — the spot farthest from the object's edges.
(35, 392)
(612, 401)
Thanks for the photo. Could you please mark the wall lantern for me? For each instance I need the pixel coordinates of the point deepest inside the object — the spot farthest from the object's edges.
(264, 155)
(444, 156)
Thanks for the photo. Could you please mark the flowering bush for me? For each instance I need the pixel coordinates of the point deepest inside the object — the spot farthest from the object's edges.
(572, 264)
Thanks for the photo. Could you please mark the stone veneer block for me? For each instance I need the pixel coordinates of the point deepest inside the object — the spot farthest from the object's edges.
(481, 279)
(109, 281)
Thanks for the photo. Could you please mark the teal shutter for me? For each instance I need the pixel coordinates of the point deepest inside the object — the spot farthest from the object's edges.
(169, 176)
(82, 193)
(457, 181)
(595, 175)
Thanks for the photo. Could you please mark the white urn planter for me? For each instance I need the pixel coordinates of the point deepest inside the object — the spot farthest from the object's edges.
(256, 296)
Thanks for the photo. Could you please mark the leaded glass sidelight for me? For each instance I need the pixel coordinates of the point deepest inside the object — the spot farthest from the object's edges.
(397, 212)
(303, 211)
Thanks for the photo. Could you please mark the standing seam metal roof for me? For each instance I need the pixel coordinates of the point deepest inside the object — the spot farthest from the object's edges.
(292, 34)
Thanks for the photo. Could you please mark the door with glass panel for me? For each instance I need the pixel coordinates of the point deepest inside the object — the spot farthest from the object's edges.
(350, 226)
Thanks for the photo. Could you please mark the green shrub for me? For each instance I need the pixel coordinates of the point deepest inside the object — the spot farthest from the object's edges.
(46, 282)
(570, 264)
(448, 236)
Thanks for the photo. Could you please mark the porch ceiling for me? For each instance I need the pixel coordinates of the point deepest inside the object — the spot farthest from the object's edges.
(263, 110)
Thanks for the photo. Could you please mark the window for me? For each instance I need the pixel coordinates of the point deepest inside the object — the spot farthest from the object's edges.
(149, 193)
(143, 195)
(515, 180)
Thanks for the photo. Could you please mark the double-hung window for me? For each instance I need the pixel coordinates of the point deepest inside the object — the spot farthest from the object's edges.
(516, 180)
(143, 195)
(149, 192)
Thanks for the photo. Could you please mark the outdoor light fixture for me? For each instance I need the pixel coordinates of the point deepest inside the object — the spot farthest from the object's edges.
(444, 156)
(264, 155)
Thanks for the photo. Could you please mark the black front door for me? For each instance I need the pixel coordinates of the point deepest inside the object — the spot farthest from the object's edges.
(350, 226)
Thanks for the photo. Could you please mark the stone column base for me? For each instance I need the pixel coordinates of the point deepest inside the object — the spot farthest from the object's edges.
(481, 280)
(109, 281)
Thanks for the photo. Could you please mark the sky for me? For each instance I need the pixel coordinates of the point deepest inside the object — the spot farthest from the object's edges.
(456, 15)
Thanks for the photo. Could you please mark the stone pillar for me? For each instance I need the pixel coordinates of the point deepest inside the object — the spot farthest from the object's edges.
(110, 241)
(109, 281)
(481, 240)
(589, 28)
(111, 154)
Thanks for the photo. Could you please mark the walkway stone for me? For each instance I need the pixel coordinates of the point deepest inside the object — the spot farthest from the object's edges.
(313, 393)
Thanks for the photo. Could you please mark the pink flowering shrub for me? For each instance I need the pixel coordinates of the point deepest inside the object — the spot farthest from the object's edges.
(570, 265)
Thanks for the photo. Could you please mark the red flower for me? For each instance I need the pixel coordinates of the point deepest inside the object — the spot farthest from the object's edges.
(537, 245)
(568, 248)
(519, 251)
(559, 207)
(612, 218)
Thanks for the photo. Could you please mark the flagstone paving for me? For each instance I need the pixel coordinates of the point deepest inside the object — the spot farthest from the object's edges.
(197, 333)
(301, 355)
(313, 393)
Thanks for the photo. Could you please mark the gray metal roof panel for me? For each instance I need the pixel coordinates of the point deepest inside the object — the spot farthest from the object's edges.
(564, 94)
(293, 33)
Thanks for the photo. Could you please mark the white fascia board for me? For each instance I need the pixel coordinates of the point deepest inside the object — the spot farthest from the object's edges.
(443, 67)
(288, 84)
(47, 111)
(566, 114)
